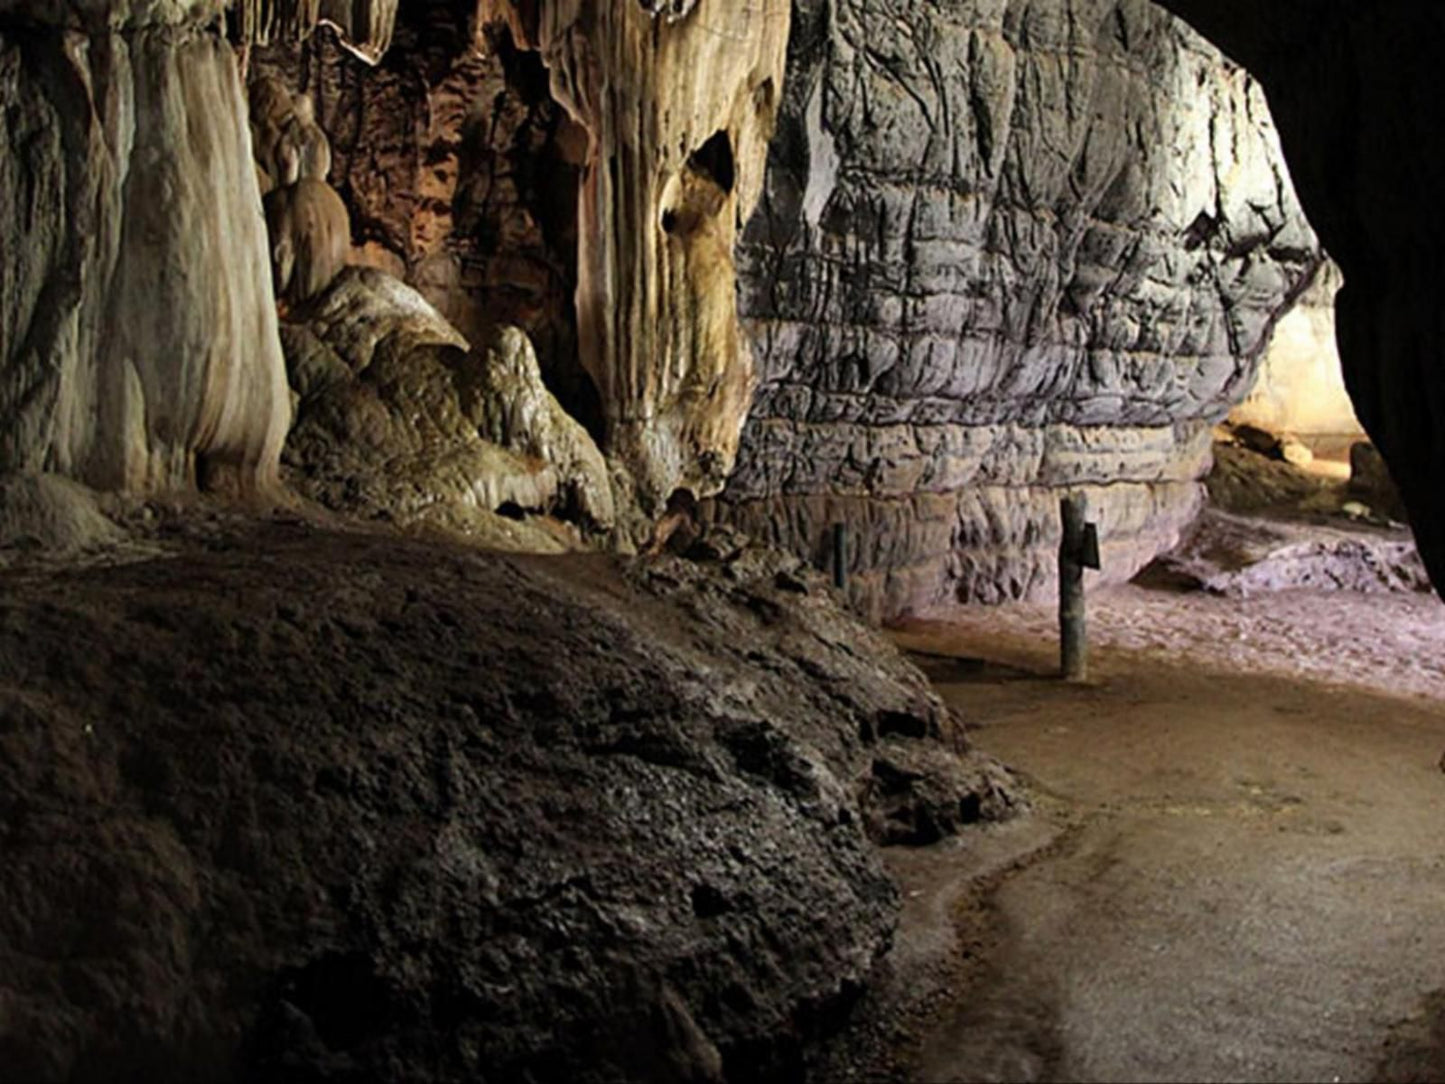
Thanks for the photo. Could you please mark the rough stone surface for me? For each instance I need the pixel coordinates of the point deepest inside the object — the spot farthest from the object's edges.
(138, 340)
(359, 808)
(1055, 235)
(1239, 556)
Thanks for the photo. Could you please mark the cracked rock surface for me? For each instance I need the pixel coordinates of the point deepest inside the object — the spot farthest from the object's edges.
(1004, 248)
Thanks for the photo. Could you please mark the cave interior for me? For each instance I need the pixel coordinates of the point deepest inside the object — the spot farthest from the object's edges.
(531, 542)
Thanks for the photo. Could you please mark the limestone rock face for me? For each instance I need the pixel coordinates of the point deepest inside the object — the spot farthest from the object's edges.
(677, 111)
(1300, 388)
(415, 811)
(1354, 89)
(138, 338)
(1005, 248)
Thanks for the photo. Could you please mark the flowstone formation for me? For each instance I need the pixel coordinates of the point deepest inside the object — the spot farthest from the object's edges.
(1005, 250)
(510, 165)
(397, 417)
(677, 103)
(138, 343)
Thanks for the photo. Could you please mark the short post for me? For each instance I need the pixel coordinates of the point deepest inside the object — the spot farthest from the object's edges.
(1078, 549)
(840, 556)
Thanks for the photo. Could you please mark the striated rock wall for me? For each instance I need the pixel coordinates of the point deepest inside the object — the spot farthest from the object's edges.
(1005, 248)
(138, 340)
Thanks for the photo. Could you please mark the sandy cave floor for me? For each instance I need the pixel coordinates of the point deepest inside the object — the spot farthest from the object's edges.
(1236, 870)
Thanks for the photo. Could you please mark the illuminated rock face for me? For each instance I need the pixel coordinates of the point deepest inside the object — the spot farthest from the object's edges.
(1005, 249)
(1300, 389)
(677, 104)
(138, 341)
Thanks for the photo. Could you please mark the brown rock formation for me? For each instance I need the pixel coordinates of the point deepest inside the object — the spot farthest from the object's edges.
(1006, 249)
(138, 343)
(365, 808)
(460, 173)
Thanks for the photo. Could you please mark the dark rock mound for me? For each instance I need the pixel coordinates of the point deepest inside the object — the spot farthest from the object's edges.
(302, 805)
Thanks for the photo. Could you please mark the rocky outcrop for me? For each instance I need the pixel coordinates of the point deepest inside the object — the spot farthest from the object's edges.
(370, 809)
(1005, 249)
(1352, 88)
(1241, 556)
(138, 340)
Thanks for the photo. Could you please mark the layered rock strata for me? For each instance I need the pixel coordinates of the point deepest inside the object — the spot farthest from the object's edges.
(1005, 250)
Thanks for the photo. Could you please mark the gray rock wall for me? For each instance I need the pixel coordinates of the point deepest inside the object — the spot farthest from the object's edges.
(1005, 248)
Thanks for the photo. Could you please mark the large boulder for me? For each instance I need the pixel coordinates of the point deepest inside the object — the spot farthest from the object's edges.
(359, 808)
(1005, 249)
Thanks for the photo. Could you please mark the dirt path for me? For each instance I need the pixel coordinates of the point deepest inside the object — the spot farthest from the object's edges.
(1247, 874)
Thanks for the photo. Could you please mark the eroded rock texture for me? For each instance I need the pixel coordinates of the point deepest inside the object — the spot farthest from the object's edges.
(1354, 88)
(358, 808)
(1006, 249)
(399, 419)
(138, 342)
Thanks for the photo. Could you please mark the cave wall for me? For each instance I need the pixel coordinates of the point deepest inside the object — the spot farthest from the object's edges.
(1005, 249)
(138, 341)
(1354, 90)
(1300, 389)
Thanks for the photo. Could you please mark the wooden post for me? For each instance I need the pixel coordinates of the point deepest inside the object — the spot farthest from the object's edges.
(840, 556)
(1073, 641)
